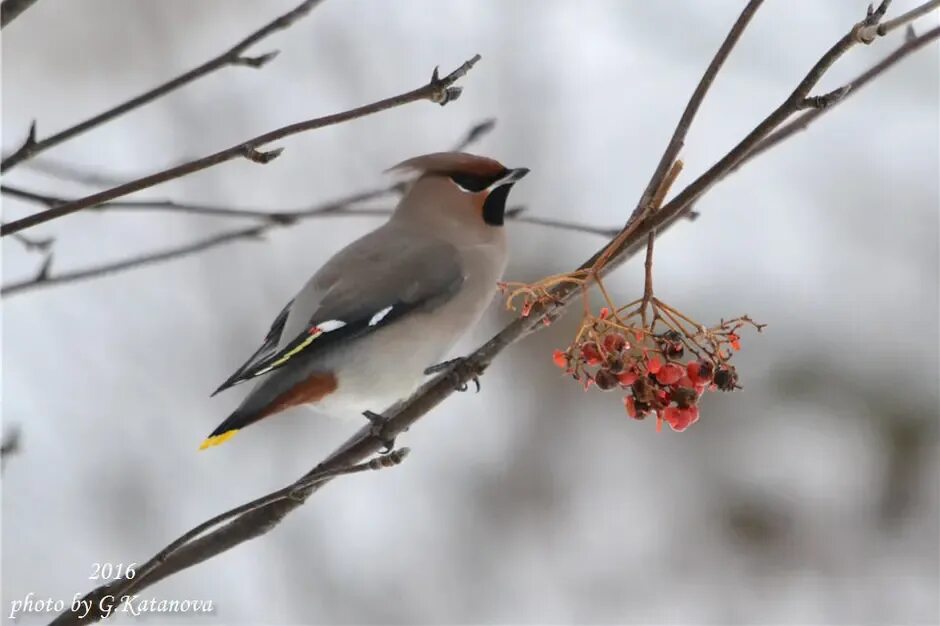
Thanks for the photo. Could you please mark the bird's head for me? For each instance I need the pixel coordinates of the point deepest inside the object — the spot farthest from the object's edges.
(468, 187)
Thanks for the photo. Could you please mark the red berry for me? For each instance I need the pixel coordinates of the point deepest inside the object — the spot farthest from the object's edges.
(680, 419)
(560, 358)
(591, 354)
(654, 365)
(627, 378)
(671, 415)
(615, 343)
(669, 374)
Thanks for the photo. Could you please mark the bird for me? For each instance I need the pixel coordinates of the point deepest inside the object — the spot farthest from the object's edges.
(360, 335)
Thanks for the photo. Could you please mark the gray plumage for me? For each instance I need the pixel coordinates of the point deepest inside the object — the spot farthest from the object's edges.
(389, 305)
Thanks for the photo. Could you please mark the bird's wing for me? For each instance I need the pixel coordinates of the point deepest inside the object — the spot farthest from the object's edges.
(369, 285)
(267, 348)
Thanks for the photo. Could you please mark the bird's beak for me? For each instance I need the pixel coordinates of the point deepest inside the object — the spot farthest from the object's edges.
(512, 176)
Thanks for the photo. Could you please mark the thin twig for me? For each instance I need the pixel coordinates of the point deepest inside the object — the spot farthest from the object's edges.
(868, 32)
(342, 207)
(35, 245)
(368, 440)
(233, 56)
(10, 444)
(74, 173)
(439, 90)
(11, 9)
(43, 280)
(475, 133)
(336, 208)
(284, 216)
(793, 103)
(698, 96)
(803, 121)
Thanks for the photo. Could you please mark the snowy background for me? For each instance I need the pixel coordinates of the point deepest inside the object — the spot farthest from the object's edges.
(809, 497)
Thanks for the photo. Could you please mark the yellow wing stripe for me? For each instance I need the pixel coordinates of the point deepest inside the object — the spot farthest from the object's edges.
(214, 441)
(284, 359)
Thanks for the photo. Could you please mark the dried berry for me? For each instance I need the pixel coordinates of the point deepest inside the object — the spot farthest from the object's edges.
(726, 378)
(674, 350)
(671, 336)
(615, 364)
(642, 390)
(684, 397)
(605, 380)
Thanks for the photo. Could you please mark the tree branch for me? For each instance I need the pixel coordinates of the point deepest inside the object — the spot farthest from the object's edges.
(698, 96)
(45, 278)
(11, 9)
(439, 90)
(233, 56)
(803, 121)
(337, 208)
(366, 441)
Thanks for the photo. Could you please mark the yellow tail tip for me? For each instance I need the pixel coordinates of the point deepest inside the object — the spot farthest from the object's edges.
(216, 440)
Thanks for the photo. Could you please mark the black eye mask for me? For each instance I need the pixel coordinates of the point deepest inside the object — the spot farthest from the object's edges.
(475, 182)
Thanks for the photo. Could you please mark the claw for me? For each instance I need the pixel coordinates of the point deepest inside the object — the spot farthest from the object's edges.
(456, 365)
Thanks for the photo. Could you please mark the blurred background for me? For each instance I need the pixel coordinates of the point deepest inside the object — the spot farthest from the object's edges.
(809, 497)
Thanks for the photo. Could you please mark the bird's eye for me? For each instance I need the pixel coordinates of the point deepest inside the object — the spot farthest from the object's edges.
(470, 182)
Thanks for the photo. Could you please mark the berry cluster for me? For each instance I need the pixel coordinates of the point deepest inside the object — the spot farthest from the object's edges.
(663, 372)
(662, 359)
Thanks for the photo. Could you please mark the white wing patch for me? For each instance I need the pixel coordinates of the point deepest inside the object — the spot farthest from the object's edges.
(331, 325)
(378, 317)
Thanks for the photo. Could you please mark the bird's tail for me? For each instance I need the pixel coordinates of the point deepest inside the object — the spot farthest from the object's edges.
(232, 424)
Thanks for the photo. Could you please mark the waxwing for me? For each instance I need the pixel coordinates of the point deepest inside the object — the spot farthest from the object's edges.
(361, 333)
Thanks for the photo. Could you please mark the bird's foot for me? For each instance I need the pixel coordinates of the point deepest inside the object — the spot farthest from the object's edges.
(378, 423)
(461, 369)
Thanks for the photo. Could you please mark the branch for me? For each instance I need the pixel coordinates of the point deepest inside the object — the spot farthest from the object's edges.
(803, 121)
(74, 173)
(11, 9)
(9, 445)
(285, 216)
(336, 208)
(368, 440)
(439, 90)
(698, 96)
(233, 56)
(45, 278)
(295, 492)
